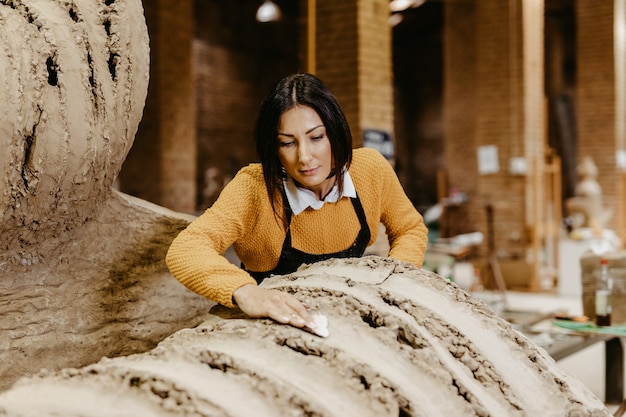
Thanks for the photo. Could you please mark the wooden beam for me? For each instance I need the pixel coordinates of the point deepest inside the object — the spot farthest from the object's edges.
(311, 35)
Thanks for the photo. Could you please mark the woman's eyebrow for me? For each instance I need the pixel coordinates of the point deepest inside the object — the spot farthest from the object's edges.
(313, 128)
(307, 132)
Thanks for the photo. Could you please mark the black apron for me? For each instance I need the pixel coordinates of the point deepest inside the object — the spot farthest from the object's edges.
(291, 258)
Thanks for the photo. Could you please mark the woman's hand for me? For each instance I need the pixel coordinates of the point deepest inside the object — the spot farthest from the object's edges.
(277, 305)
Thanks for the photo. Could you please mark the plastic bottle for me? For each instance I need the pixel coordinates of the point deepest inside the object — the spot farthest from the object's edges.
(603, 295)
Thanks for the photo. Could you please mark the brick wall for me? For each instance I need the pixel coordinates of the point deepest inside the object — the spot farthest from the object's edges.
(418, 61)
(460, 106)
(160, 166)
(499, 119)
(337, 54)
(177, 112)
(494, 96)
(354, 59)
(217, 72)
(237, 60)
(212, 64)
(375, 72)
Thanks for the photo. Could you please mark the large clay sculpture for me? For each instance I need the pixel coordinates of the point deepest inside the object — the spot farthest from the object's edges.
(81, 266)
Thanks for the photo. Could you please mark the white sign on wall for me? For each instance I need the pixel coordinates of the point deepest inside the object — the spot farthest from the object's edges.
(488, 159)
(620, 159)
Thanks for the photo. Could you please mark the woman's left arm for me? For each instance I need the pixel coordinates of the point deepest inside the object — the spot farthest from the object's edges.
(406, 231)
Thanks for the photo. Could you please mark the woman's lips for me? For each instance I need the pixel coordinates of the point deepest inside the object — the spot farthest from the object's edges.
(309, 172)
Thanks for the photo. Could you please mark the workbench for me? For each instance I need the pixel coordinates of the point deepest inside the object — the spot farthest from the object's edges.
(561, 338)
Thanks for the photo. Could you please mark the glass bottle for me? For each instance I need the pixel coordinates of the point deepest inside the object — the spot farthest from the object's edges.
(603, 295)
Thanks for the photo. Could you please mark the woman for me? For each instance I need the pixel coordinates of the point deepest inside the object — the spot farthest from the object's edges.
(311, 198)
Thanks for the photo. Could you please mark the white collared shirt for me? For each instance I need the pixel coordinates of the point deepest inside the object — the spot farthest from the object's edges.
(301, 198)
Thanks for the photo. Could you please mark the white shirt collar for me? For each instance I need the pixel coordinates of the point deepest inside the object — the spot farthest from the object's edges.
(301, 198)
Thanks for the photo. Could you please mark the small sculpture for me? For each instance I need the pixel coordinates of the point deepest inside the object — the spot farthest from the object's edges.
(586, 209)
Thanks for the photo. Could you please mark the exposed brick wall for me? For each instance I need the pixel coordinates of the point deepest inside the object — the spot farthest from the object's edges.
(494, 96)
(354, 59)
(337, 54)
(177, 113)
(213, 63)
(237, 59)
(460, 106)
(596, 93)
(620, 74)
(161, 164)
(140, 174)
(537, 199)
(418, 62)
(375, 72)
(532, 63)
(499, 118)
(225, 125)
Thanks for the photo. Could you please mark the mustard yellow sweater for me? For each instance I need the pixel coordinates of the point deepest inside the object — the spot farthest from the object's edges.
(242, 217)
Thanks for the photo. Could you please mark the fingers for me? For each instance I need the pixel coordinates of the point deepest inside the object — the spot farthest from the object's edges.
(288, 310)
(292, 319)
(277, 305)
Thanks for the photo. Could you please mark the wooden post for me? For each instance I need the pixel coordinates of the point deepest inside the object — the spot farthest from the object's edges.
(558, 213)
(311, 34)
(537, 226)
(621, 232)
(552, 194)
(493, 266)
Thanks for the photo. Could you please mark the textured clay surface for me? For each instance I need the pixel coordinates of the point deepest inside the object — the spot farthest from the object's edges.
(403, 342)
(82, 272)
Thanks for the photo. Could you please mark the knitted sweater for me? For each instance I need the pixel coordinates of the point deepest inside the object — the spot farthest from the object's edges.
(242, 217)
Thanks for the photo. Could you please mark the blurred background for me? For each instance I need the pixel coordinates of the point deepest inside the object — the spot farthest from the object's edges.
(493, 112)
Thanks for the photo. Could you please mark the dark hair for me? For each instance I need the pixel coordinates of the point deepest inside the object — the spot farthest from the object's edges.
(305, 90)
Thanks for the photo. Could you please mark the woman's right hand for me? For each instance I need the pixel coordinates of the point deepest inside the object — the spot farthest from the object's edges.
(278, 305)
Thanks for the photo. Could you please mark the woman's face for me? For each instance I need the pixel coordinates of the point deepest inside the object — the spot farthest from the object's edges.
(305, 151)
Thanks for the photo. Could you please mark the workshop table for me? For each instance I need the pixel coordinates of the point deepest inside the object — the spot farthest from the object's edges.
(586, 334)
(563, 338)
